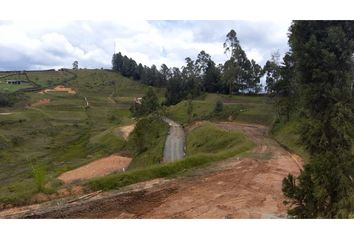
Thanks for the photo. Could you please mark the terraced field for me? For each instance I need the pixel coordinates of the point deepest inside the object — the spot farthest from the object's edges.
(56, 130)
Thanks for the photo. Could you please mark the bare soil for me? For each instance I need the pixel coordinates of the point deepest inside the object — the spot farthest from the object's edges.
(239, 187)
(126, 130)
(41, 102)
(97, 168)
(59, 88)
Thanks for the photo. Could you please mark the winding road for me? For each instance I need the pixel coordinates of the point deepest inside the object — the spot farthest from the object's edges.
(174, 145)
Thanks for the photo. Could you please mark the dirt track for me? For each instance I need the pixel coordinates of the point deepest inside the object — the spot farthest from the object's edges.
(247, 187)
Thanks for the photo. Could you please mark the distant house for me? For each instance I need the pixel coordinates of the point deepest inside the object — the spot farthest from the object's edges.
(17, 82)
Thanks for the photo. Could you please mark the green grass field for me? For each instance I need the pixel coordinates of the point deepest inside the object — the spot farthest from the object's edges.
(43, 79)
(251, 109)
(207, 138)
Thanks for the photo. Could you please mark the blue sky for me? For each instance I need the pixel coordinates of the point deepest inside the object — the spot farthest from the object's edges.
(54, 44)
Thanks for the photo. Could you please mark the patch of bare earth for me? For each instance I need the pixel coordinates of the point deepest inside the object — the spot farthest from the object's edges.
(41, 102)
(97, 168)
(126, 130)
(247, 187)
(59, 88)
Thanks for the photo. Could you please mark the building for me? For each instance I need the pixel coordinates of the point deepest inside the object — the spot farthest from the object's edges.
(15, 82)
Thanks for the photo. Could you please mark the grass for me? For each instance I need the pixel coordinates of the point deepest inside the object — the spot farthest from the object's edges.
(4, 87)
(251, 109)
(207, 138)
(196, 157)
(43, 79)
(147, 141)
(287, 134)
(63, 135)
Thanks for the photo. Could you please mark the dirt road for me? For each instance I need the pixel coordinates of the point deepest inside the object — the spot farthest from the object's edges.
(174, 145)
(246, 187)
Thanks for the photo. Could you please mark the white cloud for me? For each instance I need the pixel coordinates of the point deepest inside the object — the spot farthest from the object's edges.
(48, 44)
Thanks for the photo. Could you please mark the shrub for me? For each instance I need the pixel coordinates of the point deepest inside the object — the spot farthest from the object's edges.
(39, 175)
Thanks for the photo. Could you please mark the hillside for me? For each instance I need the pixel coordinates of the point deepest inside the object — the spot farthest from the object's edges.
(49, 137)
(60, 130)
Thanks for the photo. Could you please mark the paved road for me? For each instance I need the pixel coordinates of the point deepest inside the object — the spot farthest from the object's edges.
(174, 145)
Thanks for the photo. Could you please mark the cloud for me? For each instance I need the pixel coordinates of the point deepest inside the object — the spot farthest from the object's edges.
(54, 44)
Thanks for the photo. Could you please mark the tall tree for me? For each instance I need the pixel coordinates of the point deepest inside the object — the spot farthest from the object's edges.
(323, 52)
(272, 71)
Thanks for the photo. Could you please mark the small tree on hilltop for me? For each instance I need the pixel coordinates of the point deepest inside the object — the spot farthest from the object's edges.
(75, 65)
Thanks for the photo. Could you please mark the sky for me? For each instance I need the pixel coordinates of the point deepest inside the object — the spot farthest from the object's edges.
(32, 45)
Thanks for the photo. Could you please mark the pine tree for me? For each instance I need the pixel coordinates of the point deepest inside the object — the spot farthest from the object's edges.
(323, 53)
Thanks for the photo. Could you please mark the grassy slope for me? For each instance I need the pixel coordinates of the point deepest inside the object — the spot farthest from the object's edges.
(43, 79)
(252, 109)
(197, 155)
(287, 134)
(63, 134)
(207, 138)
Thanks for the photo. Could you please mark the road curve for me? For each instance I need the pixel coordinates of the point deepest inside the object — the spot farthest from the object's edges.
(174, 145)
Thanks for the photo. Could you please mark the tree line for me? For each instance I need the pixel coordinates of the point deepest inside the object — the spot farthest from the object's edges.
(237, 75)
(314, 85)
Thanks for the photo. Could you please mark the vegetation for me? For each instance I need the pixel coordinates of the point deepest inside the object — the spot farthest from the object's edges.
(237, 74)
(149, 104)
(252, 109)
(147, 142)
(207, 138)
(322, 53)
(199, 158)
(62, 134)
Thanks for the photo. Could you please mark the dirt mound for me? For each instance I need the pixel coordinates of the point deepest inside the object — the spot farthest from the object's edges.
(41, 102)
(97, 168)
(126, 130)
(59, 88)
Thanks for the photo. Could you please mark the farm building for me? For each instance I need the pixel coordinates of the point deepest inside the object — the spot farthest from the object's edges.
(15, 81)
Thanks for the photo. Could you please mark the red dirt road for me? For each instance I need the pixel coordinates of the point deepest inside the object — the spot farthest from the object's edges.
(245, 187)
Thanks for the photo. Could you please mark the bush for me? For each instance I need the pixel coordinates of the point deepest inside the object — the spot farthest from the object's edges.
(219, 106)
(39, 175)
(147, 141)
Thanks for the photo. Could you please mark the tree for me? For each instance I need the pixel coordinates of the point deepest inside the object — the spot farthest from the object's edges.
(202, 62)
(165, 73)
(191, 77)
(272, 71)
(285, 88)
(219, 106)
(149, 104)
(75, 65)
(237, 71)
(175, 89)
(211, 81)
(322, 52)
(231, 42)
